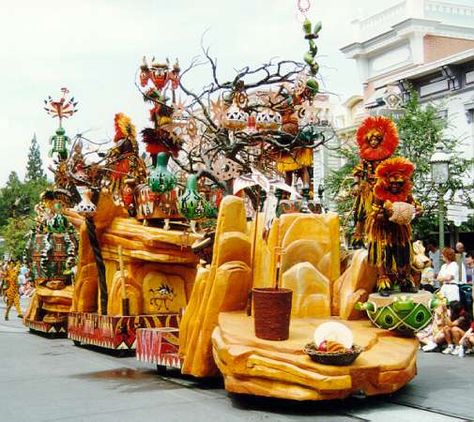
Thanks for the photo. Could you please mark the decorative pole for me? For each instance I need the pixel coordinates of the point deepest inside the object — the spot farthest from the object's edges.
(439, 162)
(441, 218)
(99, 260)
(60, 109)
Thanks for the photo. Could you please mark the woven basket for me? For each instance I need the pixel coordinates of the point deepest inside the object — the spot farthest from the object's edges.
(272, 313)
(333, 358)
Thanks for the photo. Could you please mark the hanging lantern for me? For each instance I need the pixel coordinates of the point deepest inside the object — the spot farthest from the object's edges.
(161, 180)
(268, 119)
(235, 118)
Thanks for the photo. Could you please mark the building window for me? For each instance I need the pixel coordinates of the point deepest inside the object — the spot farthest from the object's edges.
(433, 88)
(443, 115)
(470, 77)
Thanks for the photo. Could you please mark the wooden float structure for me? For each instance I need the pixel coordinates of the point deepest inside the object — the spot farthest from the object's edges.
(216, 335)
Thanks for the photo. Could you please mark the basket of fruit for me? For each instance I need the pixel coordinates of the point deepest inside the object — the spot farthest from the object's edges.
(333, 345)
(327, 356)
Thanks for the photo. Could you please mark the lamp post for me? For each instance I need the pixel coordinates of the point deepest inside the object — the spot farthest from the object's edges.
(439, 163)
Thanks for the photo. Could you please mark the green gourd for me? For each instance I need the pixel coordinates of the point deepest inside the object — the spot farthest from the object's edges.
(191, 205)
(161, 180)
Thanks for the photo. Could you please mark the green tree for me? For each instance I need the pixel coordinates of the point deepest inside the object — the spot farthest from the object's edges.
(15, 234)
(420, 129)
(13, 201)
(34, 166)
(17, 201)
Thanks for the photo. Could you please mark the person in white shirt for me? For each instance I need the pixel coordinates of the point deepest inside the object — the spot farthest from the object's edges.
(448, 275)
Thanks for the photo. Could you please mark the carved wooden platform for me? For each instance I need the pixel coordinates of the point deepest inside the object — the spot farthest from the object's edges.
(281, 369)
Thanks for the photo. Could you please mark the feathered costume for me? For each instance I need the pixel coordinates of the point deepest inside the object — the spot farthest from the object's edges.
(123, 159)
(160, 137)
(388, 224)
(377, 139)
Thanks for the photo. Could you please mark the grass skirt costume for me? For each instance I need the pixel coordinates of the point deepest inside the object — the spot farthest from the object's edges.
(388, 226)
(371, 157)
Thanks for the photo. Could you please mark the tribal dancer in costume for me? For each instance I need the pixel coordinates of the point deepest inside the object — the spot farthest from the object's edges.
(377, 139)
(11, 293)
(389, 225)
(299, 160)
(122, 159)
(157, 78)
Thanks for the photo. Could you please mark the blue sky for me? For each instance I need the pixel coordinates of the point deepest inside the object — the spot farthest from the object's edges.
(94, 48)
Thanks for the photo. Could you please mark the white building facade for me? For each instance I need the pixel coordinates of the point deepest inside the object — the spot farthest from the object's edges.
(427, 45)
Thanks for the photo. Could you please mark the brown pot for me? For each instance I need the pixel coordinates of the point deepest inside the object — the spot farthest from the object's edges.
(272, 312)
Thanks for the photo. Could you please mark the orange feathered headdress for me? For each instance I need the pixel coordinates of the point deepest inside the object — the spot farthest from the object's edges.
(397, 169)
(377, 125)
(124, 128)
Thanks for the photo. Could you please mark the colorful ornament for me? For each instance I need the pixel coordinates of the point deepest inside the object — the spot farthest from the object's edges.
(161, 180)
(224, 168)
(60, 109)
(402, 315)
(59, 143)
(268, 119)
(191, 204)
(235, 118)
(86, 207)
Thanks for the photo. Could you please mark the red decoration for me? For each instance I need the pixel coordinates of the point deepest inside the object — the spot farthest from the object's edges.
(397, 169)
(378, 126)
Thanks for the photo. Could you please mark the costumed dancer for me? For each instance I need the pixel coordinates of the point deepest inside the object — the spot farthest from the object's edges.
(158, 77)
(11, 293)
(123, 159)
(298, 159)
(388, 225)
(377, 139)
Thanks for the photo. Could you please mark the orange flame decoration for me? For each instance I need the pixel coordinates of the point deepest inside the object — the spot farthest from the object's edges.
(377, 125)
(396, 169)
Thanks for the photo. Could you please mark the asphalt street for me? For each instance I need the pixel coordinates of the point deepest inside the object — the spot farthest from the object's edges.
(44, 379)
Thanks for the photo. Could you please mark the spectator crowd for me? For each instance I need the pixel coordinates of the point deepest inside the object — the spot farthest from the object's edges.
(449, 275)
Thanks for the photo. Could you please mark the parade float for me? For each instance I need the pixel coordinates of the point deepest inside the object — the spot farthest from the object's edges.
(52, 244)
(270, 310)
(129, 274)
(257, 295)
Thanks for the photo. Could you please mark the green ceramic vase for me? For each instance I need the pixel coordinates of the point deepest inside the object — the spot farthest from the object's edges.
(191, 204)
(161, 180)
(403, 315)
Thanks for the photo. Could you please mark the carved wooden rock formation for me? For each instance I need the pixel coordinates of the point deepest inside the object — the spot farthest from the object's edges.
(217, 335)
(159, 267)
(221, 286)
(354, 285)
(281, 369)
